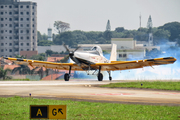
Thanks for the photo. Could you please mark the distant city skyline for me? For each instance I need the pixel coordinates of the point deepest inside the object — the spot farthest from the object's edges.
(92, 15)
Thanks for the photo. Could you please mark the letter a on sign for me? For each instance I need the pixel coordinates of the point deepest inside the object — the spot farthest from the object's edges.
(39, 112)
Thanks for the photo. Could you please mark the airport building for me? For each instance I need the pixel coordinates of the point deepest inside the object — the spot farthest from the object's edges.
(18, 27)
(54, 48)
(129, 49)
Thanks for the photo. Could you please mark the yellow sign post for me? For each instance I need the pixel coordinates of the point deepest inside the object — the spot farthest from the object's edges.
(48, 111)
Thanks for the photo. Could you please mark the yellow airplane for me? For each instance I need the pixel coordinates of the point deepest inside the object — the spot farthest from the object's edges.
(94, 60)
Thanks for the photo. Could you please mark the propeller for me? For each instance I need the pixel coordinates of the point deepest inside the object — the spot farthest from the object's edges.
(71, 54)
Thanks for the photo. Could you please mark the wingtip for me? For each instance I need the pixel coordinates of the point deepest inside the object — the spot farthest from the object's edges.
(4, 57)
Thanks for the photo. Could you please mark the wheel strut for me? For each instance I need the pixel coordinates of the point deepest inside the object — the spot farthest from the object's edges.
(67, 76)
(110, 78)
(100, 75)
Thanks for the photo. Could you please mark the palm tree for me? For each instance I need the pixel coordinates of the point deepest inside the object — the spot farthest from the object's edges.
(3, 73)
(23, 69)
(47, 72)
(33, 70)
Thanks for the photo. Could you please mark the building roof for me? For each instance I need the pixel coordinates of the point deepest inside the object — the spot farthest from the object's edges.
(121, 39)
(6, 61)
(54, 59)
(14, 66)
(52, 77)
(28, 54)
(10, 66)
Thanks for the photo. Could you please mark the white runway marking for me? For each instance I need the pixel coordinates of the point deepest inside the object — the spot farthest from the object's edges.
(50, 83)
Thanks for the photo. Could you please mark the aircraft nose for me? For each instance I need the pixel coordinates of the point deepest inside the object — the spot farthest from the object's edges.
(71, 53)
(81, 55)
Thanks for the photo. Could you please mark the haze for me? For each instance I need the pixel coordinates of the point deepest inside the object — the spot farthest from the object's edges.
(92, 15)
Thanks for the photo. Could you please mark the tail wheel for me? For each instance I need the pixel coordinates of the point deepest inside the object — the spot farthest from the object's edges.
(66, 77)
(100, 77)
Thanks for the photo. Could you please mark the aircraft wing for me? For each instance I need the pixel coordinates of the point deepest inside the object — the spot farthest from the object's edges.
(52, 65)
(124, 65)
(113, 66)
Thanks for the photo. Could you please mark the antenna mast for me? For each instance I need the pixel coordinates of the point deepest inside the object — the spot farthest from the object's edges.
(140, 21)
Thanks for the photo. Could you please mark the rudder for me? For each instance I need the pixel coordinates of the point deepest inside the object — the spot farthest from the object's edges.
(113, 53)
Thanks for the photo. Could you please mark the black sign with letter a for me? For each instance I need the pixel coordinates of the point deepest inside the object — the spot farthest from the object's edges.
(38, 112)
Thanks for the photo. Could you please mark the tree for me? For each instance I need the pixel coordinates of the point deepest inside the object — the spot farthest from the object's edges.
(45, 43)
(119, 29)
(21, 56)
(39, 37)
(173, 28)
(44, 37)
(61, 26)
(65, 59)
(23, 69)
(107, 36)
(161, 36)
(108, 26)
(38, 57)
(49, 52)
(3, 73)
(65, 37)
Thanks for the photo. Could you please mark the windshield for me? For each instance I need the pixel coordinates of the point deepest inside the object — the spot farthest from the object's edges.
(97, 48)
(94, 48)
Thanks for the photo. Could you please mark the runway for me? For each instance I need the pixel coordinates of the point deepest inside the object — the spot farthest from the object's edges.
(88, 91)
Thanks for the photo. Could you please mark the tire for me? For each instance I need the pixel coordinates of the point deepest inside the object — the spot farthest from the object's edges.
(100, 77)
(110, 78)
(66, 77)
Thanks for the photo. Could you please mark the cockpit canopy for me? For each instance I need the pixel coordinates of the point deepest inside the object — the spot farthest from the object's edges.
(97, 48)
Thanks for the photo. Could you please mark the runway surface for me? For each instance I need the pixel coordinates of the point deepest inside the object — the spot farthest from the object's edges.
(88, 91)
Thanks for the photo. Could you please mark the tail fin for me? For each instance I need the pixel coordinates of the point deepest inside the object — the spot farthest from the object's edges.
(113, 53)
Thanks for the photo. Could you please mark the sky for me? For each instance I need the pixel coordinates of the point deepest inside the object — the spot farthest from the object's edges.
(92, 15)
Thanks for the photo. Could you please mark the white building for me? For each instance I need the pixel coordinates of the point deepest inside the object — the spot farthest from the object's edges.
(89, 46)
(54, 48)
(50, 34)
(18, 27)
(128, 54)
(126, 49)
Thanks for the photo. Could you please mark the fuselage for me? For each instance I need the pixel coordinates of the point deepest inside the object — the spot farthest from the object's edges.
(90, 57)
(93, 56)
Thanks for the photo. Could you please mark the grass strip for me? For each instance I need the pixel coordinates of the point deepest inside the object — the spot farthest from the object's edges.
(147, 85)
(17, 108)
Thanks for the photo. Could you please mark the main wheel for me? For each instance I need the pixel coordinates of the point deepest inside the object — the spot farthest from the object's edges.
(66, 77)
(100, 77)
(110, 78)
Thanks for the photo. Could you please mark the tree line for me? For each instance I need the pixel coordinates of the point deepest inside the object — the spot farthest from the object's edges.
(161, 35)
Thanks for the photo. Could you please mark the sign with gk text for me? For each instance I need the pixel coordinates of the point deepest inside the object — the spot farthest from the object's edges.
(48, 111)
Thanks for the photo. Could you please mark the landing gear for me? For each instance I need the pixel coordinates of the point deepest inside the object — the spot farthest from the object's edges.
(100, 75)
(67, 76)
(110, 78)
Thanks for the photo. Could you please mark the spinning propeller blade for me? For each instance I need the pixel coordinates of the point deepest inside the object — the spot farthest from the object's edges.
(71, 54)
